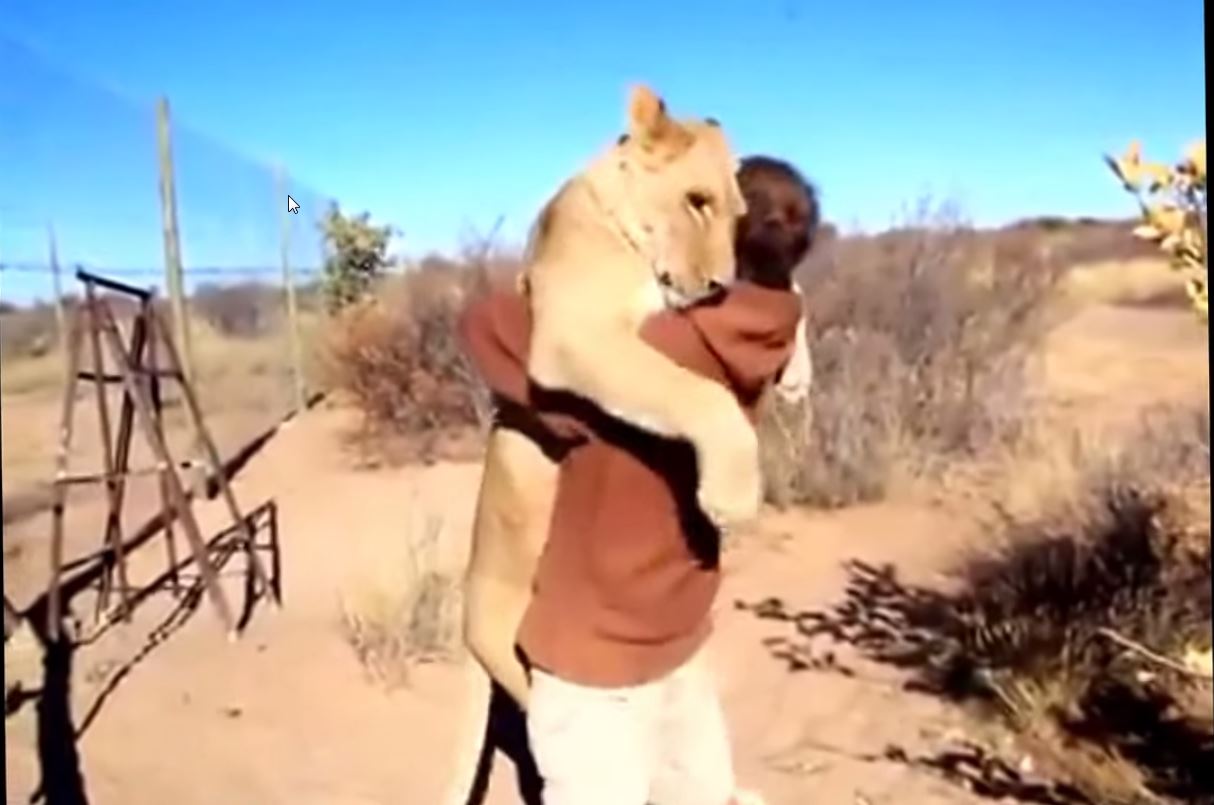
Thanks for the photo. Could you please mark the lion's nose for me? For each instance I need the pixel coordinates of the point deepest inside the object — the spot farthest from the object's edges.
(715, 287)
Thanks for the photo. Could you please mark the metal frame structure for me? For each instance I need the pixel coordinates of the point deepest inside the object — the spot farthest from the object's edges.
(142, 407)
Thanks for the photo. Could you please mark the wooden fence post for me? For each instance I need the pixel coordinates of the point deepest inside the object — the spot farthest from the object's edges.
(174, 279)
(288, 281)
(57, 285)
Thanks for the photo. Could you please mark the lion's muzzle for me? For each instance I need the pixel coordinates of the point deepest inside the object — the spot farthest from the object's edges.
(677, 297)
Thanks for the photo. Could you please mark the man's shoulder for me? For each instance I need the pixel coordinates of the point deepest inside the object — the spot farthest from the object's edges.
(495, 306)
(498, 319)
(750, 332)
(750, 307)
(675, 334)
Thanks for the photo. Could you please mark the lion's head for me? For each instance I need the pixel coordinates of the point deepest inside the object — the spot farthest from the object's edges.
(671, 186)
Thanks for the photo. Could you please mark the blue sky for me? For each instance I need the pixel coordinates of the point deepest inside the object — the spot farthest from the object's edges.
(441, 117)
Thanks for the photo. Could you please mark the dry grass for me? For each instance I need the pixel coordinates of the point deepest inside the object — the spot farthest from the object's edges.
(406, 611)
(1083, 241)
(26, 332)
(1118, 555)
(1060, 471)
(242, 310)
(922, 344)
(1084, 620)
(244, 385)
(255, 373)
(1145, 282)
(34, 375)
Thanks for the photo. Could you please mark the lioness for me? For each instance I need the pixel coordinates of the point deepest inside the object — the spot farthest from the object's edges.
(746, 331)
(650, 222)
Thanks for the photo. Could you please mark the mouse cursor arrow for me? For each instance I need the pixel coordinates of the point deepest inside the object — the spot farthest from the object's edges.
(292, 205)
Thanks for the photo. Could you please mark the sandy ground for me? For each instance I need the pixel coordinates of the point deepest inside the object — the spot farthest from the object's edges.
(288, 715)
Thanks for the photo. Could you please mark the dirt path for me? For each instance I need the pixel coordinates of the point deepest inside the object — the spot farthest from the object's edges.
(287, 715)
(807, 736)
(1113, 361)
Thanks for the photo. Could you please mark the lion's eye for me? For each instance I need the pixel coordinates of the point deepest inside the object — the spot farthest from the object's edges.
(699, 202)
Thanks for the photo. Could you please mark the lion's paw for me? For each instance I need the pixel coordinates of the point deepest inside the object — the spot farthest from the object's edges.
(730, 483)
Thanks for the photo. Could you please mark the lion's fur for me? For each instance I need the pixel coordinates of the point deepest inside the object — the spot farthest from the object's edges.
(653, 218)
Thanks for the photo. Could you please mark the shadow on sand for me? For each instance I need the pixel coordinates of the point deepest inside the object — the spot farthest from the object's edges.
(62, 778)
(911, 628)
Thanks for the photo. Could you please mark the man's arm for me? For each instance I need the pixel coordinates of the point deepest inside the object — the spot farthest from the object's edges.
(495, 332)
(795, 379)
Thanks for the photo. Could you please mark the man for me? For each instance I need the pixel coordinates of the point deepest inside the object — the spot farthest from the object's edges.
(621, 710)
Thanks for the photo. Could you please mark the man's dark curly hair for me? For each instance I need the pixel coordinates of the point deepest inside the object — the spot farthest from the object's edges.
(780, 224)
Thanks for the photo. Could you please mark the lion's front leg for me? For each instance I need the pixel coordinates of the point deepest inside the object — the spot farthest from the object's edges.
(609, 364)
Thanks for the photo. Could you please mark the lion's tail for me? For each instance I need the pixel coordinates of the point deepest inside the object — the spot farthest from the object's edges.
(473, 752)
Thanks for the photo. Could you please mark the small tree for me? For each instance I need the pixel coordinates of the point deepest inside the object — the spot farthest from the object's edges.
(356, 256)
(1172, 204)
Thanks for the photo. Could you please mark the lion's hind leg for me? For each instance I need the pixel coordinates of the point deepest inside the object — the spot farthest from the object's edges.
(513, 513)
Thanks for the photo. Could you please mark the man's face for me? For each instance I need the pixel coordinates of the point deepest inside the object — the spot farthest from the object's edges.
(773, 236)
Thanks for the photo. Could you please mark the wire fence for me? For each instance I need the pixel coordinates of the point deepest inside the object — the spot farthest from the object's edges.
(81, 174)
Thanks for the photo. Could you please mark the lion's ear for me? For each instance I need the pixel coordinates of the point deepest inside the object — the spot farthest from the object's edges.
(646, 112)
(649, 124)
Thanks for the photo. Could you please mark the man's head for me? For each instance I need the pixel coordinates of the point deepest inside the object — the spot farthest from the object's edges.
(780, 222)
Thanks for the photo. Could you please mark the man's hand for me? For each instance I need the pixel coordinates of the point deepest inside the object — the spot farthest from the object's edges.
(797, 377)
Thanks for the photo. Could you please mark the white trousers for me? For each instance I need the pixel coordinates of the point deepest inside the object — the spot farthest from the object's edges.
(663, 742)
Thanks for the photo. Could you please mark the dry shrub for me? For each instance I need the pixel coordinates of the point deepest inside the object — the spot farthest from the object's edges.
(921, 341)
(1041, 621)
(242, 310)
(1081, 241)
(1060, 472)
(1084, 625)
(1145, 282)
(27, 332)
(1129, 517)
(397, 357)
(406, 612)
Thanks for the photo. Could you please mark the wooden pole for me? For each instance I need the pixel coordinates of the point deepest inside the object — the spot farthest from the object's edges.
(288, 281)
(174, 280)
(57, 284)
(325, 252)
(75, 338)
